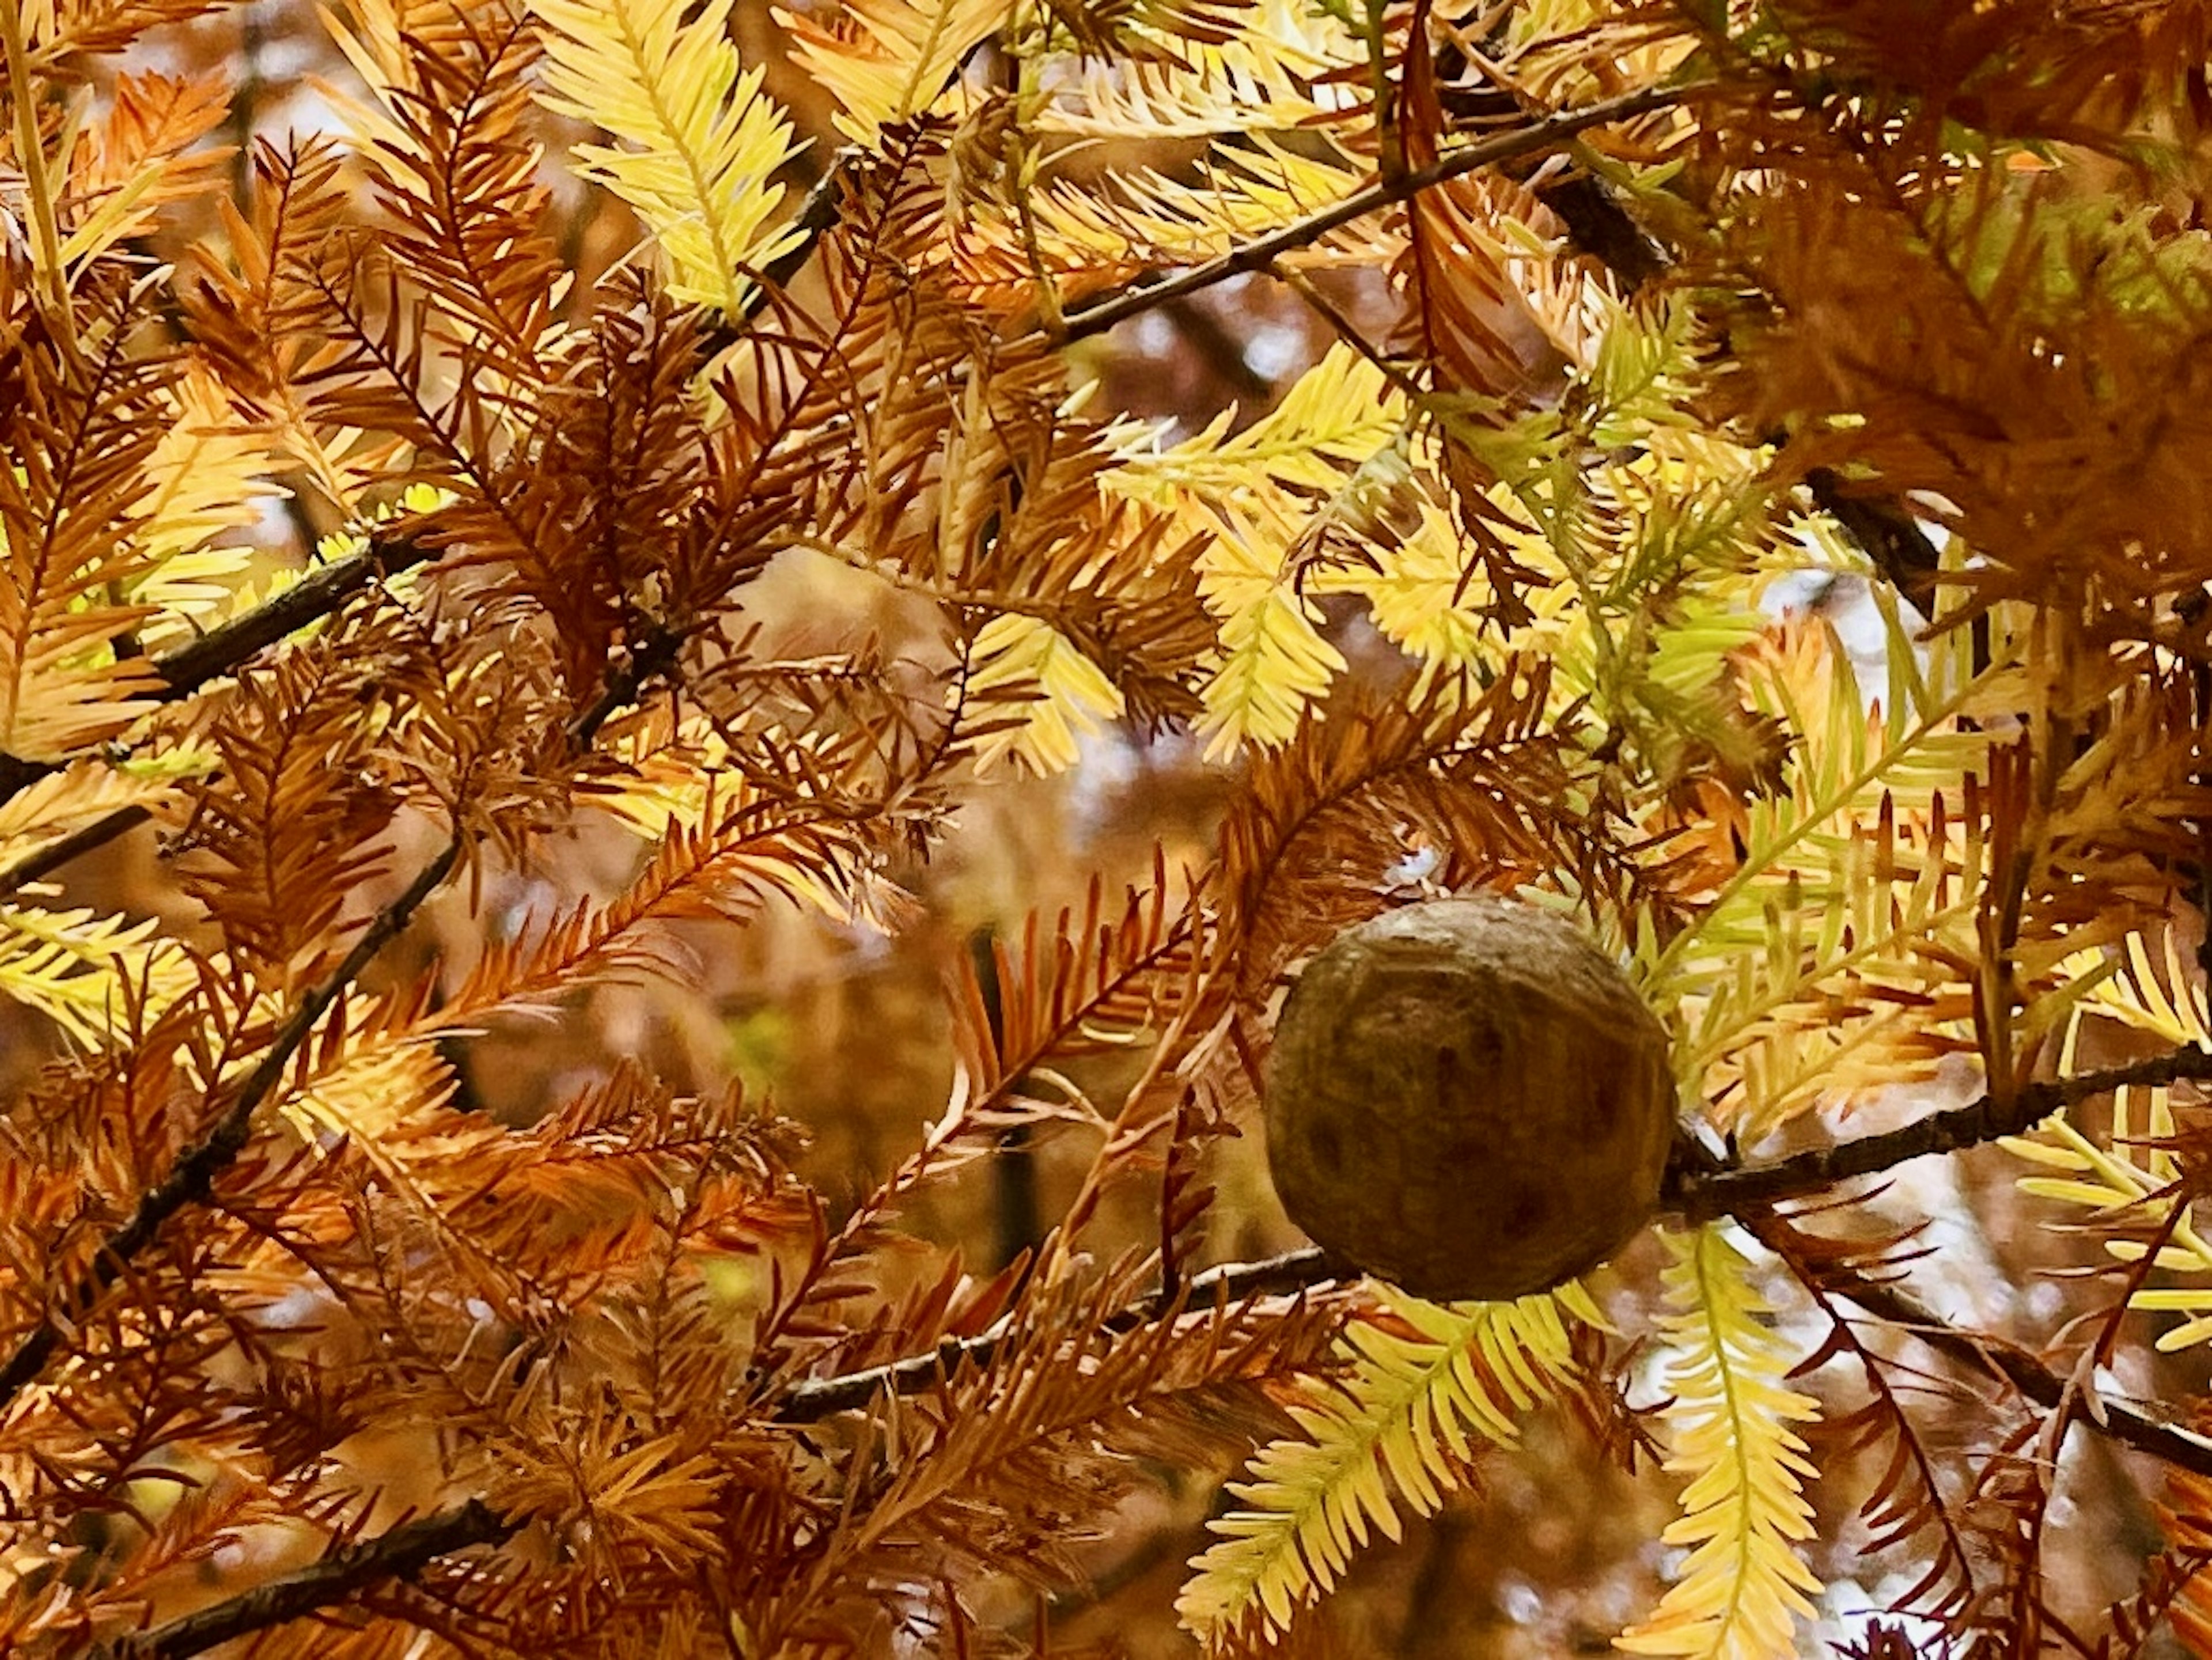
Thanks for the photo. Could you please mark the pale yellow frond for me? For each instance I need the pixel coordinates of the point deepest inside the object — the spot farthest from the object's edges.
(1425, 595)
(66, 801)
(1087, 238)
(1064, 696)
(375, 45)
(1250, 496)
(1272, 663)
(2128, 1168)
(699, 141)
(1338, 414)
(1824, 1005)
(81, 970)
(888, 60)
(1745, 1585)
(1424, 1383)
(1282, 71)
(2158, 992)
(67, 692)
(209, 475)
(375, 1086)
(670, 781)
(663, 788)
(1803, 918)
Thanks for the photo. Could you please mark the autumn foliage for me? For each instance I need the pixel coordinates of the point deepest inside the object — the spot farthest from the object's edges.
(678, 687)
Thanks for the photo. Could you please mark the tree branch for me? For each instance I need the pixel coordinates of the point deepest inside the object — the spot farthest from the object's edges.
(224, 649)
(407, 1549)
(1887, 533)
(2130, 1424)
(813, 1399)
(401, 1553)
(1695, 1195)
(1701, 1195)
(651, 657)
(190, 1180)
(1547, 133)
(817, 216)
(1310, 1268)
(45, 862)
(184, 669)
(1882, 526)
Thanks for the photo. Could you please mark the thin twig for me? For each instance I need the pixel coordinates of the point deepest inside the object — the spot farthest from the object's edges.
(2123, 1421)
(816, 1398)
(1309, 1269)
(408, 1548)
(184, 669)
(652, 657)
(1549, 133)
(1696, 1196)
(1702, 1194)
(818, 215)
(405, 1550)
(190, 1180)
(222, 650)
(400, 1553)
(37, 866)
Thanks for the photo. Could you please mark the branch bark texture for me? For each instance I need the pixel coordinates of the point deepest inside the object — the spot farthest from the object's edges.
(1701, 1195)
(191, 1179)
(400, 1553)
(1538, 137)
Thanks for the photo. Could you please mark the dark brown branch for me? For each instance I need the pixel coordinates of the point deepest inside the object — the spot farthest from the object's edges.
(1887, 533)
(222, 650)
(816, 217)
(225, 648)
(2130, 1425)
(1307, 1269)
(401, 1553)
(36, 866)
(1696, 1196)
(652, 657)
(815, 1398)
(1890, 537)
(1701, 1195)
(186, 668)
(405, 1550)
(190, 1180)
(1547, 133)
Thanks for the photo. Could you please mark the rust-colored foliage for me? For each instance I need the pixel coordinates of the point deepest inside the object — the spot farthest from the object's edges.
(678, 685)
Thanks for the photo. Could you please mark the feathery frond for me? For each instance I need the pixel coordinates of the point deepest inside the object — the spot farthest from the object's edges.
(1853, 890)
(2131, 1171)
(888, 61)
(1425, 1386)
(1744, 1514)
(83, 971)
(700, 140)
(1067, 694)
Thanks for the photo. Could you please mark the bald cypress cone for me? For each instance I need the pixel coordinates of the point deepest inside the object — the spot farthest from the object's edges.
(1467, 1098)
